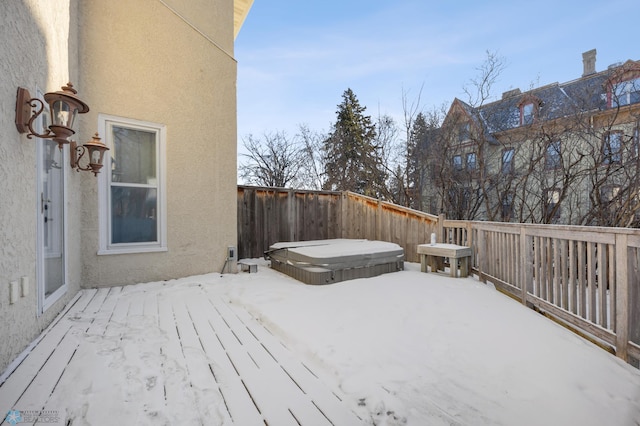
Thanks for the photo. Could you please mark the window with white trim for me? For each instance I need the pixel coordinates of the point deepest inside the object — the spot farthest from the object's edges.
(132, 187)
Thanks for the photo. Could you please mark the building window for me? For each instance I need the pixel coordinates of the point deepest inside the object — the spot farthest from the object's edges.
(552, 213)
(457, 162)
(552, 157)
(507, 161)
(132, 199)
(612, 148)
(527, 112)
(463, 132)
(625, 93)
(472, 162)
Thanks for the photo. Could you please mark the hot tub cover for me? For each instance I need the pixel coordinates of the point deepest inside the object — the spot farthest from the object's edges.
(329, 261)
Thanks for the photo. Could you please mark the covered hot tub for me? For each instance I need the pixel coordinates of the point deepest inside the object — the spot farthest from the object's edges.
(332, 261)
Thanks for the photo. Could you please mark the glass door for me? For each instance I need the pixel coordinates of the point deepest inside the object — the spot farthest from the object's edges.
(51, 263)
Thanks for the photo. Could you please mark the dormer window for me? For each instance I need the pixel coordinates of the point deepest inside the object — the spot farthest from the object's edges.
(625, 93)
(529, 107)
(527, 113)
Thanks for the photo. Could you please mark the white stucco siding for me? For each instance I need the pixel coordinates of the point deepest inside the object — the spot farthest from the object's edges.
(36, 56)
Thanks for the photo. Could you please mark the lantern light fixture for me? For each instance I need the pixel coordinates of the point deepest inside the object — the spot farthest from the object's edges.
(64, 105)
(95, 150)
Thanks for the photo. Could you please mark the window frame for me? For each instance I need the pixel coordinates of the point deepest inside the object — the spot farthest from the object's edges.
(527, 117)
(464, 132)
(623, 91)
(106, 247)
(471, 166)
(608, 155)
(510, 169)
(553, 155)
(456, 163)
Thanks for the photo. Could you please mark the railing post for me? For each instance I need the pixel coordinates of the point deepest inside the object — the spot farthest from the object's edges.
(523, 262)
(482, 254)
(440, 229)
(622, 296)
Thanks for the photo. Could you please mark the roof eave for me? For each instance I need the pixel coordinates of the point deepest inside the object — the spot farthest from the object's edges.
(240, 11)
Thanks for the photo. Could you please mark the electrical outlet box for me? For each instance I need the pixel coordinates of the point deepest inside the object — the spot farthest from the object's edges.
(14, 294)
(24, 286)
(232, 253)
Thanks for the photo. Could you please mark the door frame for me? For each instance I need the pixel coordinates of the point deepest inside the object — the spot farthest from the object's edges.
(45, 302)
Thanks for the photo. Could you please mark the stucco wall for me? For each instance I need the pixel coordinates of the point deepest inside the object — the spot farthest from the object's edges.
(38, 51)
(142, 60)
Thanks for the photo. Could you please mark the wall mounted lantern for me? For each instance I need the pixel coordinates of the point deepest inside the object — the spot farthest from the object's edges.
(95, 149)
(64, 105)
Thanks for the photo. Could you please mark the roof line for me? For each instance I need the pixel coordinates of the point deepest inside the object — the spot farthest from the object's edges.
(196, 29)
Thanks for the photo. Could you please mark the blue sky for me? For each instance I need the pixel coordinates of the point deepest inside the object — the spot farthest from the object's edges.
(296, 58)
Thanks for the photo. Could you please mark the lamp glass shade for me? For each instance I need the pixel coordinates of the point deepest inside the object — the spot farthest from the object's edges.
(63, 113)
(96, 155)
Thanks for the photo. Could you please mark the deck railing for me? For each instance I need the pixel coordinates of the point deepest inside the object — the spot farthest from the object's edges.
(587, 278)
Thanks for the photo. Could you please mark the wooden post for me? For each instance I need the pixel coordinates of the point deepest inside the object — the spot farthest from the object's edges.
(482, 253)
(622, 297)
(525, 258)
(379, 220)
(344, 202)
(440, 229)
(291, 216)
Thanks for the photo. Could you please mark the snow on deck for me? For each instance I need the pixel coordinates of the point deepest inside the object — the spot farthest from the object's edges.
(158, 354)
(404, 348)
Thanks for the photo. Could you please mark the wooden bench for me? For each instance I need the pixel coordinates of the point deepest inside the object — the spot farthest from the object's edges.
(432, 255)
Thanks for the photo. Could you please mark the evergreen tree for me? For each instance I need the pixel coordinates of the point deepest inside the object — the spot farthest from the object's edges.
(352, 160)
(416, 161)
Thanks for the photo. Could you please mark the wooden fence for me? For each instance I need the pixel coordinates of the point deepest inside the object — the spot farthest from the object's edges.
(587, 278)
(271, 215)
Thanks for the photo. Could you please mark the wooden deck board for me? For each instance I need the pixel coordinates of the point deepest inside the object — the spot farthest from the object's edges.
(262, 376)
(190, 349)
(20, 380)
(310, 382)
(238, 402)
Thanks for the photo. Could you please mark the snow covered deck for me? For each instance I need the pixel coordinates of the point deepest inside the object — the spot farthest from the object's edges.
(404, 348)
(152, 355)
